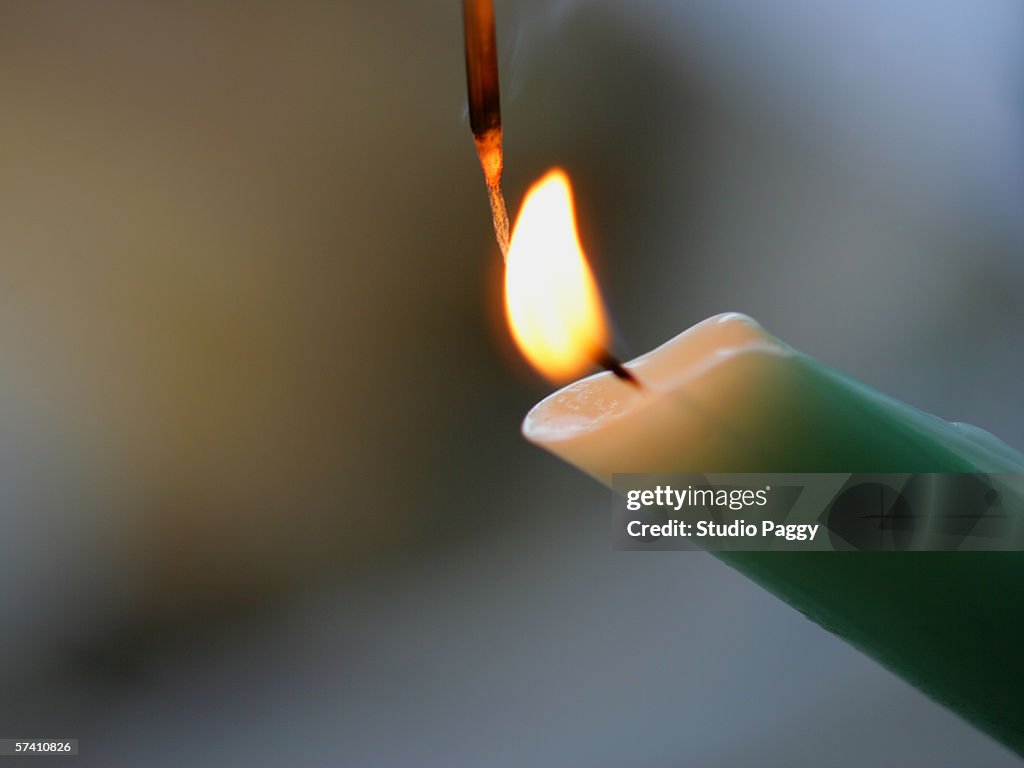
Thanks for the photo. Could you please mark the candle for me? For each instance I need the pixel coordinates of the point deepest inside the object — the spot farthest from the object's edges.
(725, 396)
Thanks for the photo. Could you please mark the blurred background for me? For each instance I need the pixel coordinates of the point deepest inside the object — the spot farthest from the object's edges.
(263, 497)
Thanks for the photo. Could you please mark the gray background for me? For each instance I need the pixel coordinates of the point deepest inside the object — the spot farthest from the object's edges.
(262, 490)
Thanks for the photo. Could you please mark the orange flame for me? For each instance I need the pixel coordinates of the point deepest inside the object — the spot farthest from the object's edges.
(551, 299)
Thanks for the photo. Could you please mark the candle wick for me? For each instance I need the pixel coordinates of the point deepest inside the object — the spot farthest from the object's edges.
(612, 364)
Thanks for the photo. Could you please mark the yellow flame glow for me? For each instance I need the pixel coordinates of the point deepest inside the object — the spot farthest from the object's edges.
(552, 303)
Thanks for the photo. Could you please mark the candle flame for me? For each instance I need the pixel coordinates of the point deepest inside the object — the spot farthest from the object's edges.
(552, 303)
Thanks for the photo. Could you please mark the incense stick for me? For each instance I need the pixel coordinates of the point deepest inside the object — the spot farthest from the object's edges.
(485, 106)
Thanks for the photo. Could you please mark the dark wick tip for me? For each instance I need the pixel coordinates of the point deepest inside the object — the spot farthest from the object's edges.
(609, 362)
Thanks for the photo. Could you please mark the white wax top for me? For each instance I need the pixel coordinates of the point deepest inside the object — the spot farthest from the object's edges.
(604, 425)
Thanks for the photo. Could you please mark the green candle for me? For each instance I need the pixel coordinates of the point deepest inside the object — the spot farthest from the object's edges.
(725, 396)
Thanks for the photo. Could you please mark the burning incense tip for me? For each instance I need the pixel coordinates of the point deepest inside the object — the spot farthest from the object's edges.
(500, 217)
(485, 106)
